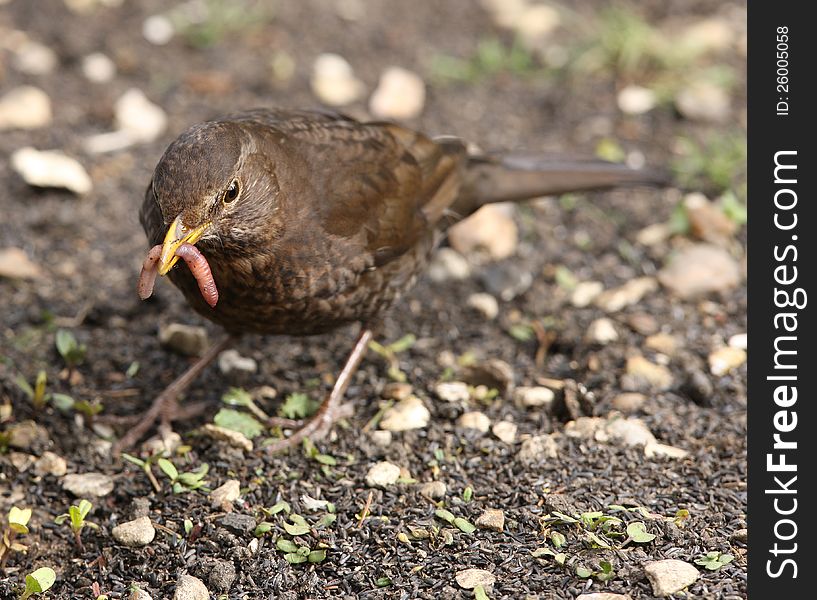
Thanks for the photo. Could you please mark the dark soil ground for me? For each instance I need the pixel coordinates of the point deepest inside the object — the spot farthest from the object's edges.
(90, 250)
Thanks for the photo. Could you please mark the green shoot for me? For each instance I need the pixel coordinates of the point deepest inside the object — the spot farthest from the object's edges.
(39, 581)
(713, 561)
(76, 518)
(184, 482)
(18, 519)
(72, 352)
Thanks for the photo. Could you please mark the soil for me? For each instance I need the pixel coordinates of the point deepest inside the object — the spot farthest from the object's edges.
(91, 248)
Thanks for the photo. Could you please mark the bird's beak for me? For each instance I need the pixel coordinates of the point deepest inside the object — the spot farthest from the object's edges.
(177, 235)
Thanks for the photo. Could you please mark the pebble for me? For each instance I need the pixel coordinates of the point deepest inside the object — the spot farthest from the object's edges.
(739, 340)
(334, 82)
(453, 391)
(165, 443)
(447, 264)
(589, 428)
(700, 269)
(433, 489)
(230, 360)
(15, 264)
(138, 594)
(703, 101)
(238, 523)
(407, 414)
(604, 596)
(654, 234)
(474, 420)
(536, 23)
(723, 360)
(27, 435)
(664, 343)
(88, 485)
(537, 449)
(137, 121)
(470, 578)
(50, 464)
(628, 402)
(381, 438)
(21, 461)
(657, 376)
(158, 30)
(670, 576)
(51, 169)
(643, 323)
(397, 390)
(183, 339)
(491, 518)
(507, 280)
(98, 68)
(136, 533)
(33, 58)
(714, 34)
(400, 94)
(636, 100)
(585, 292)
(492, 373)
(654, 449)
(631, 431)
(625, 295)
(223, 496)
(601, 331)
(505, 431)
(190, 588)
(485, 304)
(534, 397)
(222, 575)
(740, 535)
(707, 222)
(382, 474)
(232, 438)
(490, 234)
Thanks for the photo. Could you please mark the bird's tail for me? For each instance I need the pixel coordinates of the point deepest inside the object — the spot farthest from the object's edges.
(517, 177)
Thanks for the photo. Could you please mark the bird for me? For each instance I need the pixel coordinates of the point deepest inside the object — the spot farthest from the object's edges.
(304, 221)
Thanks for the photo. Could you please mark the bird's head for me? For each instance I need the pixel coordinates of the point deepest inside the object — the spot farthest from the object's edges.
(212, 184)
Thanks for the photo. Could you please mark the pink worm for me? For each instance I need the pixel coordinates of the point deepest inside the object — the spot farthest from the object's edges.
(197, 264)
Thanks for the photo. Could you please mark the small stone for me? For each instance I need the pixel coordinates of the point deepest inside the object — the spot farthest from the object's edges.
(397, 390)
(670, 576)
(223, 496)
(400, 94)
(636, 100)
(447, 264)
(474, 420)
(433, 489)
(184, 339)
(490, 234)
(653, 449)
(15, 264)
(507, 280)
(492, 373)
(381, 438)
(232, 438)
(537, 449)
(158, 30)
(714, 34)
(505, 431)
(631, 432)
(453, 391)
(190, 588)
(134, 534)
(407, 414)
(700, 269)
(222, 575)
(663, 343)
(491, 518)
(382, 474)
(654, 234)
(238, 523)
(536, 23)
(98, 68)
(601, 331)
(631, 292)
(739, 340)
(740, 535)
(21, 461)
(485, 304)
(138, 594)
(51, 169)
(137, 121)
(703, 101)
(231, 360)
(334, 82)
(27, 435)
(163, 444)
(628, 402)
(723, 360)
(604, 596)
(33, 58)
(88, 485)
(470, 578)
(50, 464)
(643, 323)
(585, 292)
(707, 222)
(534, 397)
(657, 376)
(587, 428)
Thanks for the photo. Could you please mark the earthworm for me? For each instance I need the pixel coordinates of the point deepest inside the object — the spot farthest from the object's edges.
(197, 264)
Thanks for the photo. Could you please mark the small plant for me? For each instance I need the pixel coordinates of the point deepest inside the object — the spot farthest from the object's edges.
(184, 482)
(714, 560)
(390, 353)
(39, 581)
(77, 515)
(18, 519)
(297, 406)
(145, 465)
(72, 352)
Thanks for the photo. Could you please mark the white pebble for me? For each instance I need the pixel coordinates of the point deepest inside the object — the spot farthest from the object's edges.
(98, 68)
(636, 100)
(51, 169)
(231, 360)
(158, 30)
(334, 82)
(382, 474)
(601, 331)
(484, 304)
(400, 94)
(33, 58)
(407, 414)
(25, 107)
(475, 420)
(139, 532)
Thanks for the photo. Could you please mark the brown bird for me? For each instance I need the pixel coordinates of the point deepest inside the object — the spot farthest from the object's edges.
(299, 222)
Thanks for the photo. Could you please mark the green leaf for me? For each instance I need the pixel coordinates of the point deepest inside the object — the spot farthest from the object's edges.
(239, 421)
(299, 525)
(40, 580)
(285, 545)
(316, 556)
(540, 552)
(18, 519)
(237, 397)
(558, 539)
(326, 459)
(132, 459)
(468, 493)
(583, 572)
(560, 558)
(297, 406)
(479, 593)
(62, 402)
(168, 468)
(638, 533)
(464, 525)
(403, 344)
(521, 332)
(294, 558)
(383, 582)
(84, 508)
(71, 351)
(188, 526)
(278, 507)
(262, 528)
(132, 369)
(445, 515)
(39, 389)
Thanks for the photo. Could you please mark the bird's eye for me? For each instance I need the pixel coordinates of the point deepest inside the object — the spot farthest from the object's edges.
(232, 192)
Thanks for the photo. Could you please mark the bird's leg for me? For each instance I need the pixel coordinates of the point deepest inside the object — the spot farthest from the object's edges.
(327, 414)
(165, 407)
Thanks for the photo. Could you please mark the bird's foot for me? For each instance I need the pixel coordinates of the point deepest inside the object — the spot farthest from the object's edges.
(315, 428)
